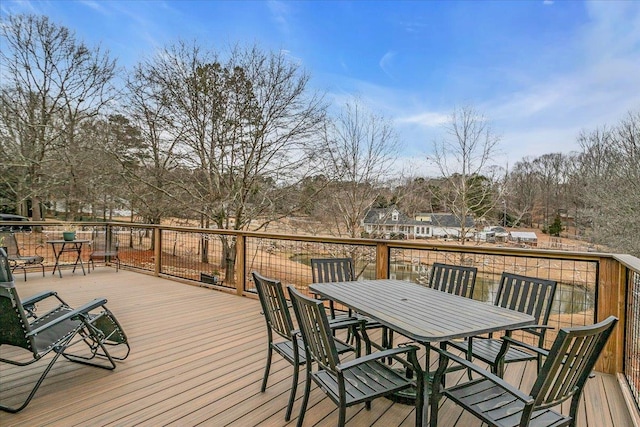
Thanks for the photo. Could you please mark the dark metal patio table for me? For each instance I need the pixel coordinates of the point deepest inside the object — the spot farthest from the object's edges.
(422, 314)
(61, 246)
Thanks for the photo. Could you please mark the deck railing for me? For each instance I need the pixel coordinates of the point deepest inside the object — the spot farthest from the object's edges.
(592, 285)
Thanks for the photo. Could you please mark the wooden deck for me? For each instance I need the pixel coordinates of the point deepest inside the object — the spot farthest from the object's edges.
(198, 358)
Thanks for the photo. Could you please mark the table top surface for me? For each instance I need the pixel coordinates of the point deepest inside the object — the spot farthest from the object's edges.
(68, 241)
(420, 313)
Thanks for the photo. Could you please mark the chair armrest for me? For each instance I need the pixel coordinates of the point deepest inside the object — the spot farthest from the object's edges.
(98, 302)
(38, 297)
(375, 356)
(345, 323)
(482, 372)
(535, 330)
(533, 348)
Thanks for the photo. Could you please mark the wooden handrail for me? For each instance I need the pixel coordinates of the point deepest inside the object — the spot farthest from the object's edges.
(612, 269)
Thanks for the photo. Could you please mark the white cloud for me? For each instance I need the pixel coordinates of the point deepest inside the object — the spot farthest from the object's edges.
(386, 62)
(279, 13)
(426, 119)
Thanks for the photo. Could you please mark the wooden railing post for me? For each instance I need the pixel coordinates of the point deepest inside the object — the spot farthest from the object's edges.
(382, 260)
(611, 302)
(240, 263)
(157, 249)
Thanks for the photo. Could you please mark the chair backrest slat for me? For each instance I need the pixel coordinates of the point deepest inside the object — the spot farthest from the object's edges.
(324, 270)
(453, 279)
(274, 305)
(570, 361)
(526, 294)
(316, 333)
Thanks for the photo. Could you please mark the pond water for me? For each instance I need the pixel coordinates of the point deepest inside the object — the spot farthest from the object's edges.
(568, 299)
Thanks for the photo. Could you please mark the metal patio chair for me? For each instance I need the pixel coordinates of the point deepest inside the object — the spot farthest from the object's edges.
(56, 330)
(525, 294)
(360, 380)
(327, 270)
(17, 260)
(105, 247)
(497, 403)
(454, 279)
(279, 322)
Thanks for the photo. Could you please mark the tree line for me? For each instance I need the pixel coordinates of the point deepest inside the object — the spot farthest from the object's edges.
(236, 138)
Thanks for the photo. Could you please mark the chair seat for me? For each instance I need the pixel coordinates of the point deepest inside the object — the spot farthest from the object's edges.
(496, 406)
(35, 259)
(100, 254)
(56, 334)
(285, 349)
(486, 349)
(363, 382)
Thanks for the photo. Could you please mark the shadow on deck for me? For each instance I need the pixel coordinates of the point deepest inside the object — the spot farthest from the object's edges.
(197, 358)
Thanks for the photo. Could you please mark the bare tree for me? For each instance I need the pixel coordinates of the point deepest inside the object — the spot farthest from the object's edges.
(521, 193)
(361, 151)
(246, 122)
(611, 163)
(550, 170)
(150, 166)
(50, 83)
(463, 158)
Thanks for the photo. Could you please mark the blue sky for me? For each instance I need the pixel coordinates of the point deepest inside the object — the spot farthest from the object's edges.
(541, 71)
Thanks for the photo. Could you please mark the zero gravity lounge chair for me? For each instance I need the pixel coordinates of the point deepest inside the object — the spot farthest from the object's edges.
(90, 329)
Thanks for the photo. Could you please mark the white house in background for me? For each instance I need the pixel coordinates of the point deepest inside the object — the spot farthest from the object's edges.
(527, 237)
(388, 223)
(446, 225)
(392, 223)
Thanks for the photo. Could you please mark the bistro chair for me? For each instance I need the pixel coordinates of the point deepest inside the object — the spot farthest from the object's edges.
(16, 260)
(497, 403)
(360, 380)
(104, 247)
(328, 270)
(453, 279)
(56, 330)
(279, 323)
(525, 294)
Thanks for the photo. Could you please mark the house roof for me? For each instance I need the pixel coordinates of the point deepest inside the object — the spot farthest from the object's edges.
(449, 220)
(382, 216)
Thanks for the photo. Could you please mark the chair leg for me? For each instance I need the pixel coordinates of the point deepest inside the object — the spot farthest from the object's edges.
(292, 395)
(95, 344)
(266, 370)
(33, 391)
(343, 415)
(24, 270)
(305, 399)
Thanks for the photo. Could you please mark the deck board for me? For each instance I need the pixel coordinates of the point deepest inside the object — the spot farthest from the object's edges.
(198, 358)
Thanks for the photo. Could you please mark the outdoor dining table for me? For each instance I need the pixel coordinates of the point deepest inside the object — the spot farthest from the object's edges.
(61, 246)
(422, 314)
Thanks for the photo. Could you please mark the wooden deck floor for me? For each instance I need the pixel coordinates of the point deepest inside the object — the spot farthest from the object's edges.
(197, 359)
